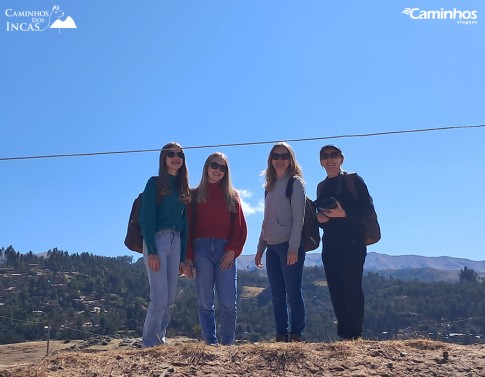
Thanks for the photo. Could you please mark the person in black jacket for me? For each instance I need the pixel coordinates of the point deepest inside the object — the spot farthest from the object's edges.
(340, 214)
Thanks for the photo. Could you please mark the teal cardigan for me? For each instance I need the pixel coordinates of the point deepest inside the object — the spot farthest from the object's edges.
(171, 213)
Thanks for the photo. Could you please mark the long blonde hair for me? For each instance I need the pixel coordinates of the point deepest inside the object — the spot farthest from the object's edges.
(230, 195)
(294, 169)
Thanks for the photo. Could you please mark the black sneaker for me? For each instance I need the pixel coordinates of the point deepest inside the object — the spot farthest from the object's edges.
(281, 338)
(296, 338)
(351, 338)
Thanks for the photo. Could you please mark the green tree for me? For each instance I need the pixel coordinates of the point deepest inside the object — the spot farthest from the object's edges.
(468, 275)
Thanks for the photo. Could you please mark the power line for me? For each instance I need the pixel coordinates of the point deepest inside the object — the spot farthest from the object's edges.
(22, 320)
(243, 144)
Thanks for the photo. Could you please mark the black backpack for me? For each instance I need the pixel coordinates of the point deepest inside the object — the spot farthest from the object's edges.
(310, 231)
(134, 238)
(370, 225)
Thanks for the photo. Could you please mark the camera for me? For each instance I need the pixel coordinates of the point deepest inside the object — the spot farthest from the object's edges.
(328, 203)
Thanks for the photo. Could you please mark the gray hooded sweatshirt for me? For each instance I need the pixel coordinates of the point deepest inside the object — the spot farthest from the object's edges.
(283, 219)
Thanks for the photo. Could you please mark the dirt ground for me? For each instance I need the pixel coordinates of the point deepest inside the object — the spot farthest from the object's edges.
(362, 358)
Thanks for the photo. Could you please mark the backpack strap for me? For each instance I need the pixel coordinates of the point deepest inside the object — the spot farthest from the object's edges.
(289, 188)
(340, 178)
(193, 207)
(350, 183)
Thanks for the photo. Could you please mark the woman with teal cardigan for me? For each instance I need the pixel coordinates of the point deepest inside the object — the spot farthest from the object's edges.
(163, 221)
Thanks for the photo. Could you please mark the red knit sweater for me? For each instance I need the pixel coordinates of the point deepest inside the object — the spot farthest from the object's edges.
(214, 221)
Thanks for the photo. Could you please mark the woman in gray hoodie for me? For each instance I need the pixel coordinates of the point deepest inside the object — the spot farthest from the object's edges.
(281, 237)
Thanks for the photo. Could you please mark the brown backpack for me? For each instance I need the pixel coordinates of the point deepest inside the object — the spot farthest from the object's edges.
(134, 238)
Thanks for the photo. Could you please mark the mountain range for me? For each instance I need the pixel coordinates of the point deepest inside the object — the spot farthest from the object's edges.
(398, 266)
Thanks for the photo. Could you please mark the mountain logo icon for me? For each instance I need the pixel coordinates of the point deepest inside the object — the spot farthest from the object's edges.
(68, 23)
(56, 14)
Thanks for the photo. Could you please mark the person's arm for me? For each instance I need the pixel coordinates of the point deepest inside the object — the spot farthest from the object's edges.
(148, 215)
(262, 244)
(189, 256)
(239, 231)
(148, 222)
(190, 233)
(238, 238)
(321, 217)
(184, 235)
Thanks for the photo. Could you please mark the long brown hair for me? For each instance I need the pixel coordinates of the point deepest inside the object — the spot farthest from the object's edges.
(182, 177)
(294, 169)
(230, 196)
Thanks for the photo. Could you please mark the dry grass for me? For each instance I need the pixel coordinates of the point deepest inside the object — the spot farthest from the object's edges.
(412, 358)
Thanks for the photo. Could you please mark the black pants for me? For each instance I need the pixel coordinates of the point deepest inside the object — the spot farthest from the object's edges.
(344, 270)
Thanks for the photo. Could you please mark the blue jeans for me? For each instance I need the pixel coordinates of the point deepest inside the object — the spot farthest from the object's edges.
(285, 281)
(163, 287)
(208, 253)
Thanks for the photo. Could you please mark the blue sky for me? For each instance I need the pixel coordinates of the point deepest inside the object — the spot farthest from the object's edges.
(134, 76)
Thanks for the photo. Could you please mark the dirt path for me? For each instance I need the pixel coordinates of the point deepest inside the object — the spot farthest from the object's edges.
(29, 352)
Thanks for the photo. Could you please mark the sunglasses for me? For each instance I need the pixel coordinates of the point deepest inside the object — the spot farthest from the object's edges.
(277, 156)
(332, 155)
(215, 165)
(172, 154)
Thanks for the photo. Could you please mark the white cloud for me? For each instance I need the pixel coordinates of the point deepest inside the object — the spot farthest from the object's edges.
(247, 208)
(245, 193)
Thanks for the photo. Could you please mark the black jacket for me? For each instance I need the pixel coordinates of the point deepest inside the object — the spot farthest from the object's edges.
(342, 233)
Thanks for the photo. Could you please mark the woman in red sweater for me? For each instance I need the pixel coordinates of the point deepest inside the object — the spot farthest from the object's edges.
(216, 238)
